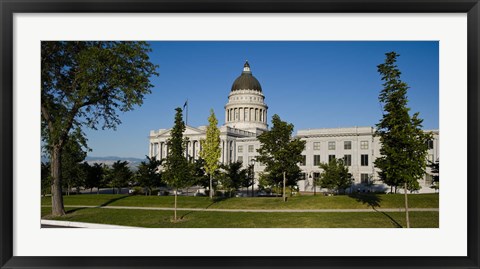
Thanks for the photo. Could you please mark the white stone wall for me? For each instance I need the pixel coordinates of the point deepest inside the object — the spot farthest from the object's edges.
(241, 145)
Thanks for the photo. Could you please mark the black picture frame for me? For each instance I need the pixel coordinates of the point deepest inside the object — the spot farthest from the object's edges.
(9, 8)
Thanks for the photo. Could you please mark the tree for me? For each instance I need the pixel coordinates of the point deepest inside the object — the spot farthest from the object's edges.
(404, 143)
(46, 180)
(86, 84)
(210, 151)
(73, 156)
(233, 176)
(335, 176)
(280, 153)
(95, 176)
(198, 174)
(119, 175)
(148, 175)
(177, 172)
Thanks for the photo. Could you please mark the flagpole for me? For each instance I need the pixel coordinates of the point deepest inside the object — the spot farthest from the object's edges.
(186, 117)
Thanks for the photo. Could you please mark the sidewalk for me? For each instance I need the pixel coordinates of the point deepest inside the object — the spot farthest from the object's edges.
(73, 224)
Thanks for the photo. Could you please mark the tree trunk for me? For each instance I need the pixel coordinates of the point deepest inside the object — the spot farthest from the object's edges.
(57, 198)
(211, 187)
(284, 183)
(406, 206)
(175, 211)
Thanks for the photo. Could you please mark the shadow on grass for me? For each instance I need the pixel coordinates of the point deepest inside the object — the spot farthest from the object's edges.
(394, 222)
(71, 211)
(113, 200)
(217, 199)
(373, 200)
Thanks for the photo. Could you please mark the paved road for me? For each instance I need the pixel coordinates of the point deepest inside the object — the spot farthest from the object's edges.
(260, 210)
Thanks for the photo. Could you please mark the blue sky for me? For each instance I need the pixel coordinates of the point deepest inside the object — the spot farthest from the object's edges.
(310, 84)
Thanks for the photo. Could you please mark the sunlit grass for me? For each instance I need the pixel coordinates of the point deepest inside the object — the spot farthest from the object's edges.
(203, 219)
(358, 201)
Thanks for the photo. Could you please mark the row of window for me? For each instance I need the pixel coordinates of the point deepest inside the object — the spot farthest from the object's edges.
(247, 98)
(347, 159)
(316, 146)
(364, 178)
(332, 145)
(250, 148)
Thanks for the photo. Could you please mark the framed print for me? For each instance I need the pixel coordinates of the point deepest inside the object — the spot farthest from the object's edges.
(161, 72)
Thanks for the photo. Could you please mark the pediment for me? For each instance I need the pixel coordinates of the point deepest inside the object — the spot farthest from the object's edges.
(189, 130)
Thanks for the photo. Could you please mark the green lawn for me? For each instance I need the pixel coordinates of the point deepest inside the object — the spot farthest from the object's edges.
(297, 202)
(203, 219)
(190, 219)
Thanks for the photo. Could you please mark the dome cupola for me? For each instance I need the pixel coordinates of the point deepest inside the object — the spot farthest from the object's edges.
(246, 108)
(246, 81)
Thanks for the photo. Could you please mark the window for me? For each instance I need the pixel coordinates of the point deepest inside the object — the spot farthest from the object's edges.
(347, 144)
(430, 144)
(364, 178)
(316, 145)
(250, 148)
(303, 162)
(331, 145)
(316, 175)
(331, 158)
(364, 160)
(240, 159)
(316, 159)
(364, 144)
(240, 149)
(347, 160)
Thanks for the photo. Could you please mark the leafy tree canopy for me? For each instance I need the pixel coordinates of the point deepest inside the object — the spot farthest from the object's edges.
(335, 176)
(148, 174)
(86, 84)
(280, 153)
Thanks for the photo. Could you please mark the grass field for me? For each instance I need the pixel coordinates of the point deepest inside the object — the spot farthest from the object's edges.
(298, 202)
(204, 219)
(191, 219)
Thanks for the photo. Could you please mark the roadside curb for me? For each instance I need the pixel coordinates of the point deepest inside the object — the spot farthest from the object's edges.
(74, 224)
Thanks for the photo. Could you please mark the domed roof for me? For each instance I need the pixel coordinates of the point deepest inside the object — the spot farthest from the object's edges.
(246, 81)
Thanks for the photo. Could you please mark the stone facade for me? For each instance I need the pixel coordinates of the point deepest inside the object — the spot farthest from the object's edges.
(246, 118)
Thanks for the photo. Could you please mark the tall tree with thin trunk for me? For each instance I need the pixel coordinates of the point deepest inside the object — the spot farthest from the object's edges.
(280, 152)
(210, 151)
(177, 171)
(86, 84)
(404, 144)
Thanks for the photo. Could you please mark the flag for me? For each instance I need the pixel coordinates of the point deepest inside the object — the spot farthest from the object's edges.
(184, 105)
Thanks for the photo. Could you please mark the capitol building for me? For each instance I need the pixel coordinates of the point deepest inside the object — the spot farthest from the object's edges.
(246, 114)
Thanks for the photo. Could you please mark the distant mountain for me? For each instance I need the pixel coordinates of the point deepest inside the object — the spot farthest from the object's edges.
(109, 160)
(114, 158)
